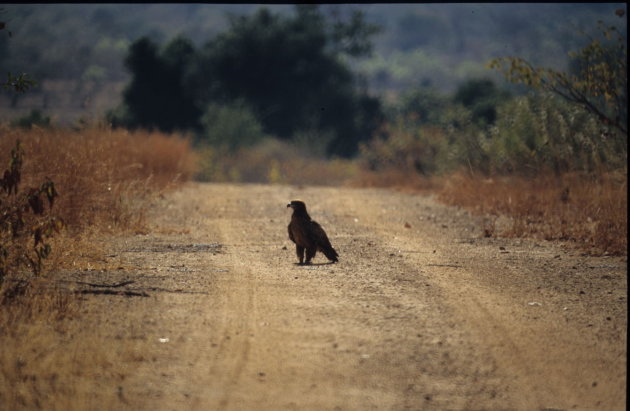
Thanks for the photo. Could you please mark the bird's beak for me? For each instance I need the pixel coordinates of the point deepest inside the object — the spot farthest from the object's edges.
(288, 205)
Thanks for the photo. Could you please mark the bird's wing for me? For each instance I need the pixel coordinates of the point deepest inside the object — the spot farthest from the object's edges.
(291, 234)
(318, 234)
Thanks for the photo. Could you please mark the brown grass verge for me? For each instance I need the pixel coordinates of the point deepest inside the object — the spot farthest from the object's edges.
(99, 173)
(105, 180)
(588, 211)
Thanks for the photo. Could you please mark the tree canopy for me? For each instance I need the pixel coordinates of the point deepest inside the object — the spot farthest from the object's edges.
(598, 83)
(288, 70)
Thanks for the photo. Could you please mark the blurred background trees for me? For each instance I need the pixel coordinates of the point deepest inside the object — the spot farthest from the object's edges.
(286, 71)
(396, 85)
(597, 79)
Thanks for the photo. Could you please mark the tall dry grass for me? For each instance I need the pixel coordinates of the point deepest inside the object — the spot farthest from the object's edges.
(105, 180)
(100, 173)
(590, 211)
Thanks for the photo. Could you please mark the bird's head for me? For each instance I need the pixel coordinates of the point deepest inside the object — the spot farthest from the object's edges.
(297, 205)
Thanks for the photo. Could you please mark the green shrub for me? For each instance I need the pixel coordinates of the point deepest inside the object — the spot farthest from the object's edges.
(230, 126)
(34, 118)
(541, 132)
(423, 150)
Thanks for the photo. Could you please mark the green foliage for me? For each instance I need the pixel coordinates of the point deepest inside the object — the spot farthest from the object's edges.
(424, 150)
(25, 224)
(61, 41)
(425, 104)
(482, 97)
(19, 83)
(531, 134)
(230, 126)
(599, 83)
(352, 37)
(34, 118)
(287, 70)
(542, 132)
(157, 96)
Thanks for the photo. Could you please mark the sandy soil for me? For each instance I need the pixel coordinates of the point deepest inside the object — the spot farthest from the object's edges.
(420, 313)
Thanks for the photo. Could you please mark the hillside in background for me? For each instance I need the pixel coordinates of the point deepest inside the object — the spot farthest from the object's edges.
(76, 51)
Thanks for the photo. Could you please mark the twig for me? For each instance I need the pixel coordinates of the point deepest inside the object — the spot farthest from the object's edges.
(107, 285)
(113, 292)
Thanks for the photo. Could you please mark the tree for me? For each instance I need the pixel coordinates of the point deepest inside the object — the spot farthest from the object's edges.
(481, 97)
(157, 96)
(288, 70)
(18, 83)
(599, 83)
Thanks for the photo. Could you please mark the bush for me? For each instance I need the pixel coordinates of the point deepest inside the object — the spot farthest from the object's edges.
(408, 147)
(534, 134)
(591, 212)
(481, 97)
(288, 69)
(273, 161)
(230, 126)
(34, 118)
(540, 132)
(25, 224)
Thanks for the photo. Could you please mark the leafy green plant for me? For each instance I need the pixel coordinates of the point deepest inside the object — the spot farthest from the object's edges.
(481, 97)
(18, 83)
(291, 71)
(599, 83)
(415, 149)
(34, 118)
(25, 224)
(230, 126)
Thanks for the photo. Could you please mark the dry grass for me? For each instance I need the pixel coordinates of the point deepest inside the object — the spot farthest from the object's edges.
(396, 179)
(275, 162)
(105, 180)
(588, 211)
(57, 361)
(99, 173)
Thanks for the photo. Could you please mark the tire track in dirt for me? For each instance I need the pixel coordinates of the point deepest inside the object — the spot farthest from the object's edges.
(420, 313)
(386, 344)
(548, 365)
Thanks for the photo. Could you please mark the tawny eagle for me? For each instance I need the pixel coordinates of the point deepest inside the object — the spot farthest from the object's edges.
(308, 235)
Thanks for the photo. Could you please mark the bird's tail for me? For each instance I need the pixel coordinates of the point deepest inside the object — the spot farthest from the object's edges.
(330, 253)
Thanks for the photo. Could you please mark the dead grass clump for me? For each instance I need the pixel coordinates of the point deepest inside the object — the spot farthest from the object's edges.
(396, 178)
(58, 361)
(275, 162)
(99, 173)
(588, 210)
(105, 179)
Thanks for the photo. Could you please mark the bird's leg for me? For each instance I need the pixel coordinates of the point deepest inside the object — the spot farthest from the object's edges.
(300, 253)
(310, 253)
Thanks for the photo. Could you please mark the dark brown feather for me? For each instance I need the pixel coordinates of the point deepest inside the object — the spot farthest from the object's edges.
(308, 235)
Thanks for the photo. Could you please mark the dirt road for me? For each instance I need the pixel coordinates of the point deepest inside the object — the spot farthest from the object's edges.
(420, 313)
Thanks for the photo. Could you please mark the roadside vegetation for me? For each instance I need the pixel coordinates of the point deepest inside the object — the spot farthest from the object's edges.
(552, 158)
(73, 188)
(317, 124)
